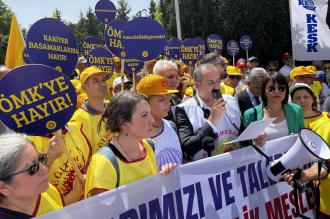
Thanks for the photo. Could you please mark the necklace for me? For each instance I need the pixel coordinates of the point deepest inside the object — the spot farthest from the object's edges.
(126, 153)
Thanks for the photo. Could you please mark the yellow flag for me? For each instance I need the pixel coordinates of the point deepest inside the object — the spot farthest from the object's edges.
(15, 47)
(54, 15)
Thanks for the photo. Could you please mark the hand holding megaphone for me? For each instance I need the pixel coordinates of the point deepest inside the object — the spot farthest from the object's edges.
(309, 147)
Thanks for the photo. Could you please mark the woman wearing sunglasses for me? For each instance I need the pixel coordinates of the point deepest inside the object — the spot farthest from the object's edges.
(24, 188)
(288, 116)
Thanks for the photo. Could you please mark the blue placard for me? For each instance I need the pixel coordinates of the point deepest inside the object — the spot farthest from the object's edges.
(42, 101)
(1, 36)
(144, 39)
(50, 42)
(101, 58)
(214, 43)
(189, 51)
(90, 43)
(201, 44)
(232, 48)
(173, 48)
(133, 66)
(26, 57)
(113, 35)
(245, 42)
(105, 11)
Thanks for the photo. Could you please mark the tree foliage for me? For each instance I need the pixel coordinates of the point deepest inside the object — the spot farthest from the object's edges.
(5, 19)
(123, 10)
(267, 22)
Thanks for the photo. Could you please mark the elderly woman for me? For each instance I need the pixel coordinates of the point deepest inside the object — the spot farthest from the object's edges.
(24, 180)
(167, 144)
(129, 156)
(319, 122)
(288, 116)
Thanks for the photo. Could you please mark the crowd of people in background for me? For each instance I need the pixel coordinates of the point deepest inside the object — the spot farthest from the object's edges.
(175, 114)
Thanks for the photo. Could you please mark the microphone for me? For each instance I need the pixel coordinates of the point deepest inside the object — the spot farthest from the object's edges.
(208, 144)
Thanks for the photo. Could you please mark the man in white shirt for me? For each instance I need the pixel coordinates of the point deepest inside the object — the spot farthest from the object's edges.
(288, 64)
(207, 121)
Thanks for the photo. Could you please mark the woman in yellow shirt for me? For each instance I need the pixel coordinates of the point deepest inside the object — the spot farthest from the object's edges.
(319, 122)
(24, 180)
(129, 156)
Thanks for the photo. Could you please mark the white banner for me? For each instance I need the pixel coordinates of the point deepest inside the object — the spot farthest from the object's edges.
(309, 30)
(231, 185)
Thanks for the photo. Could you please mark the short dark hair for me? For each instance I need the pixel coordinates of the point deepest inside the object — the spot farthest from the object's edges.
(281, 80)
(120, 110)
(315, 103)
(210, 58)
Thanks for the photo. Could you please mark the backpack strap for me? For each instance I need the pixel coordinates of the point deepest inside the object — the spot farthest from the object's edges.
(151, 143)
(108, 153)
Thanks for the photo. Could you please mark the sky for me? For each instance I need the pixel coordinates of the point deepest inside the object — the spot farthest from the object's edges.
(29, 11)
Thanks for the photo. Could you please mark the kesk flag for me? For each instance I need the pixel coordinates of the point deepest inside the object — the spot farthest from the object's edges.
(310, 30)
(16, 45)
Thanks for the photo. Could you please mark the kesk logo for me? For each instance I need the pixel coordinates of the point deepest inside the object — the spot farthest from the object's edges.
(308, 4)
(312, 25)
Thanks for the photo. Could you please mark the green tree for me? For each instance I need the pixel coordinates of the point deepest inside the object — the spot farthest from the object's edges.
(5, 19)
(57, 14)
(87, 25)
(152, 9)
(123, 10)
(267, 22)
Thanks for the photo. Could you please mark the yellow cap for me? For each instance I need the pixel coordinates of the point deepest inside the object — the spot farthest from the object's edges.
(90, 71)
(312, 69)
(76, 83)
(231, 70)
(151, 85)
(300, 70)
(116, 59)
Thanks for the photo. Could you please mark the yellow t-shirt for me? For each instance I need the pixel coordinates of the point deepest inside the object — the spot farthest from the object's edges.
(225, 89)
(101, 174)
(61, 172)
(316, 88)
(48, 201)
(321, 125)
(90, 128)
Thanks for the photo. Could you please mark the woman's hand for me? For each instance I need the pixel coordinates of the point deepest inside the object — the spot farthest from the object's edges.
(288, 177)
(77, 191)
(55, 149)
(167, 168)
(260, 140)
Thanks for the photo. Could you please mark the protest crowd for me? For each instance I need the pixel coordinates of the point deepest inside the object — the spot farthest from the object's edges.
(127, 126)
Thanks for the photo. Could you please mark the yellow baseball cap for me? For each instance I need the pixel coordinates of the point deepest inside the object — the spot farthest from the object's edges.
(116, 59)
(231, 70)
(312, 69)
(300, 70)
(90, 71)
(152, 85)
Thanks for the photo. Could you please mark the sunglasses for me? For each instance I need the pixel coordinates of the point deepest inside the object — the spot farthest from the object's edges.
(272, 88)
(237, 78)
(34, 167)
(272, 69)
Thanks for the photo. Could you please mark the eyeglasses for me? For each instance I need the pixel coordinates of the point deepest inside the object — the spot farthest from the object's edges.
(272, 69)
(233, 77)
(33, 168)
(272, 88)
